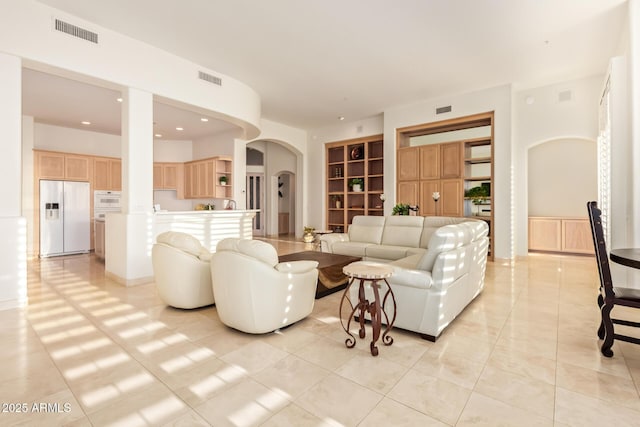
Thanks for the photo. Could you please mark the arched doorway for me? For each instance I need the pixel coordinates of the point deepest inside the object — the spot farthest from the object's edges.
(273, 186)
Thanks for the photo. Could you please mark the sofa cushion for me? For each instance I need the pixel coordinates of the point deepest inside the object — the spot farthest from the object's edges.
(351, 248)
(402, 230)
(409, 262)
(182, 241)
(443, 239)
(416, 251)
(366, 229)
(432, 223)
(253, 248)
(386, 252)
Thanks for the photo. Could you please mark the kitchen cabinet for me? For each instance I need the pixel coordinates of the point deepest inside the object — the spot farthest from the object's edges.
(202, 178)
(62, 166)
(169, 176)
(107, 174)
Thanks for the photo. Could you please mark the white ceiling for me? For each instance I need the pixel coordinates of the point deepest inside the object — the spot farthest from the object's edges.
(312, 62)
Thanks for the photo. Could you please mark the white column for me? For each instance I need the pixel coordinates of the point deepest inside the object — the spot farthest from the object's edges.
(129, 235)
(137, 152)
(13, 229)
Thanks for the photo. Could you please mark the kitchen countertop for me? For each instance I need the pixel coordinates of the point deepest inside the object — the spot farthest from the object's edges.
(206, 212)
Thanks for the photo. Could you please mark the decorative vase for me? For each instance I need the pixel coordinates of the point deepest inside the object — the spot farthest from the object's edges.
(338, 204)
(308, 238)
(357, 188)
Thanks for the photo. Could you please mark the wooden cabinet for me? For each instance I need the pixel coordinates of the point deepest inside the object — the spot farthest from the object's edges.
(408, 164)
(451, 160)
(202, 178)
(361, 158)
(553, 234)
(62, 166)
(107, 174)
(450, 157)
(169, 176)
(429, 162)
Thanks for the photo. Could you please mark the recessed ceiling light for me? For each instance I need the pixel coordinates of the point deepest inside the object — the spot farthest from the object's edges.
(341, 118)
(204, 119)
(179, 128)
(86, 123)
(119, 99)
(158, 135)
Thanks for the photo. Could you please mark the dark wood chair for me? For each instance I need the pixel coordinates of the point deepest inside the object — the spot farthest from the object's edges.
(609, 296)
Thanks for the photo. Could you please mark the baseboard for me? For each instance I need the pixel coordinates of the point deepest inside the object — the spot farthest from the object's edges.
(127, 282)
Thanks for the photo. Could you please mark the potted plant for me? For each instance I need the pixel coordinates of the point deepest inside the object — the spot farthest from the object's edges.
(356, 184)
(400, 209)
(223, 180)
(477, 195)
(308, 235)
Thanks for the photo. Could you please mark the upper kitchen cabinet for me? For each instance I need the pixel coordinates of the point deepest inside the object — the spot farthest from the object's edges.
(107, 173)
(208, 178)
(169, 176)
(63, 166)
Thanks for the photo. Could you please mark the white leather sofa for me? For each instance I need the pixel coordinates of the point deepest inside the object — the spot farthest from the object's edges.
(181, 270)
(257, 294)
(439, 264)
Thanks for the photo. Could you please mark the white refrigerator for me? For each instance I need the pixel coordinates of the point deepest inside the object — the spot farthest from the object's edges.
(64, 218)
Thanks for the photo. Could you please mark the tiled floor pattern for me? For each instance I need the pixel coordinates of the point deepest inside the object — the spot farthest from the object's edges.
(87, 352)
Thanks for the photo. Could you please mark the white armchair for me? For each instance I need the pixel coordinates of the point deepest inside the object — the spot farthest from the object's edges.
(181, 270)
(255, 293)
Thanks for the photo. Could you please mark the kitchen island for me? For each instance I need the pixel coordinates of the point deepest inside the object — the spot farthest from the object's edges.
(208, 226)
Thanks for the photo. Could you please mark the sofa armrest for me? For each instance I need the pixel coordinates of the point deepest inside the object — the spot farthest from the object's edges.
(411, 278)
(296, 267)
(327, 240)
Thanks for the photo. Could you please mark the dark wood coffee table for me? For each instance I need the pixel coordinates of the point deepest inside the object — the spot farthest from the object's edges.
(330, 276)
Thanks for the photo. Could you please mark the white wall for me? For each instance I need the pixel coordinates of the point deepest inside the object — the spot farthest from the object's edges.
(539, 116)
(219, 144)
(172, 151)
(557, 186)
(56, 138)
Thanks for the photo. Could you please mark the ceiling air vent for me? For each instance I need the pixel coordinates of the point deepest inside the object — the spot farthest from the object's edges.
(565, 95)
(440, 110)
(76, 31)
(209, 78)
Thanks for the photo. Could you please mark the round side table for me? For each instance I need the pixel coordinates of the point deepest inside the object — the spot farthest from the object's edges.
(368, 274)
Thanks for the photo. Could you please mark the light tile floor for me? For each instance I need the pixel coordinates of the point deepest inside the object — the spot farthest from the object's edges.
(87, 351)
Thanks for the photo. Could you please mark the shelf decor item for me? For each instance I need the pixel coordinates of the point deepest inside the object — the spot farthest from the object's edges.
(478, 195)
(400, 209)
(223, 180)
(309, 234)
(356, 184)
(357, 153)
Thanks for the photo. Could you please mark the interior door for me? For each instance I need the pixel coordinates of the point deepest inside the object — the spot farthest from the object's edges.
(255, 200)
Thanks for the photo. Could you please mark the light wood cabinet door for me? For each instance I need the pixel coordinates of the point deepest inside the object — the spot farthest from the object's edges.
(408, 192)
(188, 180)
(76, 168)
(101, 171)
(451, 197)
(576, 236)
(157, 176)
(50, 165)
(115, 166)
(169, 176)
(430, 162)
(427, 204)
(545, 234)
(408, 164)
(451, 160)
